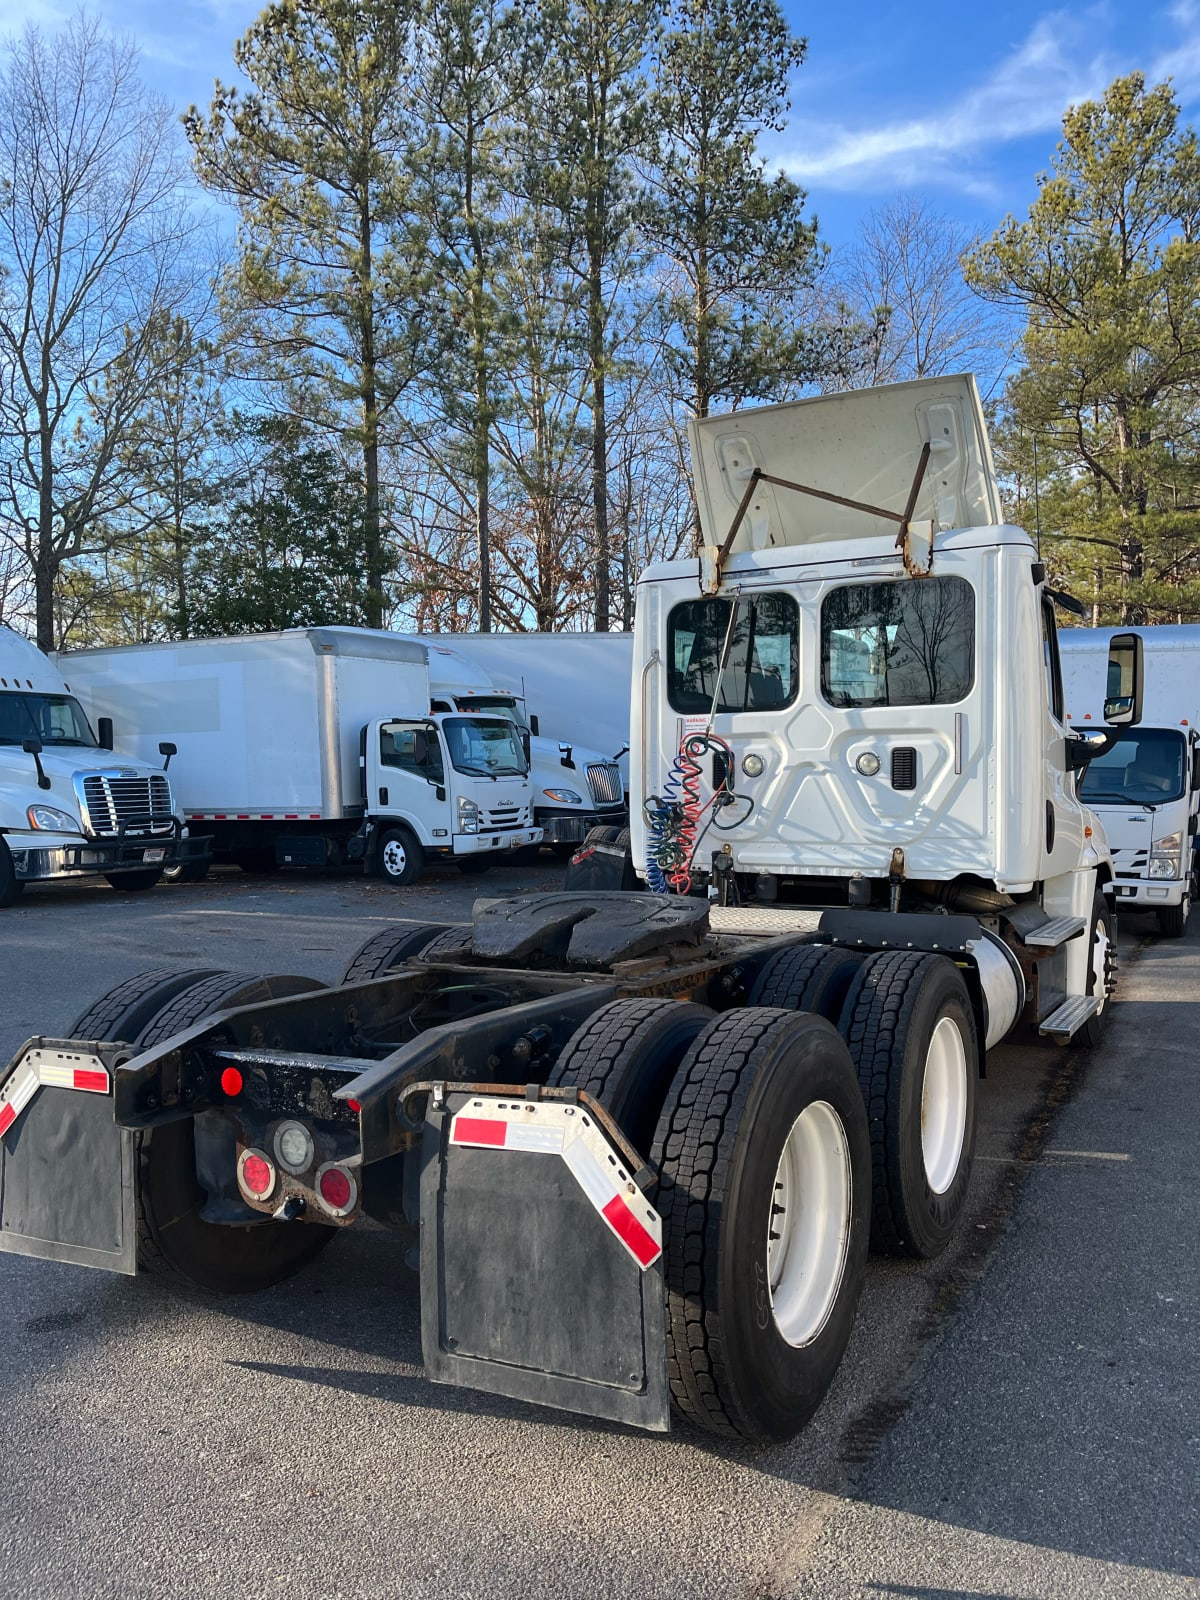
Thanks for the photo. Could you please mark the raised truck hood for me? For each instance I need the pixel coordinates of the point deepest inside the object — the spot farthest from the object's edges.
(865, 446)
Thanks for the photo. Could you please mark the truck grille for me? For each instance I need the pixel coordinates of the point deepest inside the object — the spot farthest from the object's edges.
(497, 818)
(110, 800)
(605, 780)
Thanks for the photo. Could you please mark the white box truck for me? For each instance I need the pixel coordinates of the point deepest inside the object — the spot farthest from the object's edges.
(70, 807)
(674, 1121)
(575, 787)
(317, 746)
(1146, 789)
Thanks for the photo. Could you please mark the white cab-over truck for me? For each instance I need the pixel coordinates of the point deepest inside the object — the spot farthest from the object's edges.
(575, 788)
(646, 1138)
(69, 807)
(574, 686)
(317, 746)
(1146, 789)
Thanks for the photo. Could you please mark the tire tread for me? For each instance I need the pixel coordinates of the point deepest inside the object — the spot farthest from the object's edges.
(692, 1154)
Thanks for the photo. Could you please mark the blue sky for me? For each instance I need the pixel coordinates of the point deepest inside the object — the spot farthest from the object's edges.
(960, 104)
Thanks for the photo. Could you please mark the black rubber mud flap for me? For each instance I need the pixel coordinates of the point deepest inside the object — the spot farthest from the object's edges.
(67, 1172)
(541, 1261)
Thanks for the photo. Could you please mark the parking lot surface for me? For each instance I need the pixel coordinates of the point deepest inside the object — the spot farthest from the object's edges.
(1019, 1419)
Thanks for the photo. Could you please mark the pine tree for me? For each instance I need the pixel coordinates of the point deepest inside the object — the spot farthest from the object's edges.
(1107, 270)
(316, 159)
(737, 244)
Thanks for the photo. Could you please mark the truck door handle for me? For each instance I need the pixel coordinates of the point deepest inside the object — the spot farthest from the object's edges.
(1049, 826)
(383, 797)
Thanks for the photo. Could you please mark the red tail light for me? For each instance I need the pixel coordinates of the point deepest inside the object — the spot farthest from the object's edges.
(337, 1188)
(231, 1081)
(256, 1174)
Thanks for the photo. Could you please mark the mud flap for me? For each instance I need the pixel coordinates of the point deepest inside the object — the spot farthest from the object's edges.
(68, 1173)
(541, 1260)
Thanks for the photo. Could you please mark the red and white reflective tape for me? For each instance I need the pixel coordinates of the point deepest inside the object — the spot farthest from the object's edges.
(551, 1128)
(49, 1069)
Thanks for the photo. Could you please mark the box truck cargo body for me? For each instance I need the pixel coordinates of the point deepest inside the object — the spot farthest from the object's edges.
(316, 746)
(1147, 789)
(70, 807)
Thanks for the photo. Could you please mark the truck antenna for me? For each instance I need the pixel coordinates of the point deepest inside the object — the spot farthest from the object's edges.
(1037, 505)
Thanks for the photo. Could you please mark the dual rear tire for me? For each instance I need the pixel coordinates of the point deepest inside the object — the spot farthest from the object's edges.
(763, 1159)
(909, 1025)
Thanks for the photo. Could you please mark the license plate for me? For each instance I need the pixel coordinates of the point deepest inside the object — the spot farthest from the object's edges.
(157, 854)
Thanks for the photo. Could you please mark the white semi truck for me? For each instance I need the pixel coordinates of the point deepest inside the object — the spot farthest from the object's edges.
(646, 1138)
(317, 746)
(575, 788)
(1146, 789)
(69, 807)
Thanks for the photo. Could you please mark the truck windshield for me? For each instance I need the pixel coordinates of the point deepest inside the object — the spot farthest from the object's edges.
(504, 704)
(487, 747)
(1145, 768)
(898, 644)
(52, 718)
(760, 674)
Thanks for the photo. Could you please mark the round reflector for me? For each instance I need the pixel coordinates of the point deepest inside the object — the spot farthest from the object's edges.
(256, 1174)
(294, 1147)
(231, 1081)
(337, 1189)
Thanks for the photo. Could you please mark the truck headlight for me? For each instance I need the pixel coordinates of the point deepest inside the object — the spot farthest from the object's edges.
(468, 815)
(564, 797)
(51, 818)
(1165, 856)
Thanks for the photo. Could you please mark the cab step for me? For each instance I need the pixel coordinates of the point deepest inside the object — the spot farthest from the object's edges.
(1058, 930)
(1066, 1021)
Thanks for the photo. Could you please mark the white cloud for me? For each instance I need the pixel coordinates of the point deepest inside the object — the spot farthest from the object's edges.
(1064, 59)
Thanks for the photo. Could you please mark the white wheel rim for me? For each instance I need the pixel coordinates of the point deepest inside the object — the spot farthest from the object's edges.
(808, 1232)
(395, 858)
(944, 1105)
(1100, 964)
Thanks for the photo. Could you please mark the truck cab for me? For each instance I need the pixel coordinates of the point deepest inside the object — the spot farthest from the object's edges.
(1146, 788)
(460, 783)
(69, 807)
(575, 788)
(856, 700)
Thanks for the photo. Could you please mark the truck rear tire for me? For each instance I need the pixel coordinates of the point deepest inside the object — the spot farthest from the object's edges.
(626, 1055)
(448, 945)
(390, 947)
(1173, 920)
(134, 882)
(911, 1032)
(400, 857)
(11, 887)
(173, 1239)
(807, 977)
(764, 1192)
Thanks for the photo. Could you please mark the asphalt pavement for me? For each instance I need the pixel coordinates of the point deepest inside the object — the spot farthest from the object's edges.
(1019, 1419)
(1052, 1448)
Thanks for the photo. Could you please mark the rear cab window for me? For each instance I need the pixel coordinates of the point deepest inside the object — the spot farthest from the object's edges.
(761, 672)
(902, 643)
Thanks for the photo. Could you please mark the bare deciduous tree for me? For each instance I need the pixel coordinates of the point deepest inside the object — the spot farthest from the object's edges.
(903, 284)
(96, 256)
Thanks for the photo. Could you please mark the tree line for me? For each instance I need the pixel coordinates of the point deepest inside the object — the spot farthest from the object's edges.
(488, 257)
